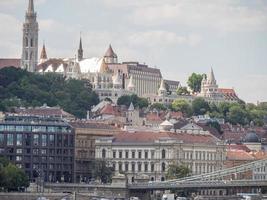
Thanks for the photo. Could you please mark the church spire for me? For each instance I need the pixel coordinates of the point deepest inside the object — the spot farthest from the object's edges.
(29, 58)
(80, 50)
(211, 77)
(31, 7)
(43, 56)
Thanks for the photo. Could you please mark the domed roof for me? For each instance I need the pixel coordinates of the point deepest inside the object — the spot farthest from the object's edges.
(251, 137)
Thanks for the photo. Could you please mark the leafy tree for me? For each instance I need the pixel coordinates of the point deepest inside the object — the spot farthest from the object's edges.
(216, 125)
(102, 171)
(11, 177)
(177, 171)
(158, 106)
(137, 101)
(194, 82)
(21, 88)
(200, 106)
(182, 91)
(237, 115)
(182, 106)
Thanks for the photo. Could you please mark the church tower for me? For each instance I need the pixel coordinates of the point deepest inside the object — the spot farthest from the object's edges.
(29, 59)
(80, 50)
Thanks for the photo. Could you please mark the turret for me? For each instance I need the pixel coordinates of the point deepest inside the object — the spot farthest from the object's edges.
(43, 56)
(131, 86)
(110, 57)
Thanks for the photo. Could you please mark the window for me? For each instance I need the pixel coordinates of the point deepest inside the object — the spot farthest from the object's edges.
(152, 154)
(146, 167)
(163, 167)
(120, 154)
(31, 42)
(103, 153)
(18, 158)
(163, 153)
(35, 139)
(114, 154)
(126, 167)
(139, 154)
(2, 139)
(126, 154)
(133, 167)
(44, 140)
(139, 167)
(152, 167)
(10, 139)
(120, 167)
(19, 151)
(133, 154)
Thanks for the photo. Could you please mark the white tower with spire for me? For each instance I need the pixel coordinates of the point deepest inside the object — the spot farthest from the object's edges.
(209, 87)
(29, 59)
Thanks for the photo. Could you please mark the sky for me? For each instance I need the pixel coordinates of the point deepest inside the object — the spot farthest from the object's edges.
(177, 36)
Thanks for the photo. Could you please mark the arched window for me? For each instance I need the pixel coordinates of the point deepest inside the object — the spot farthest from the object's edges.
(26, 42)
(132, 179)
(31, 55)
(104, 153)
(163, 153)
(31, 42)
(162, 179)
(163, 167)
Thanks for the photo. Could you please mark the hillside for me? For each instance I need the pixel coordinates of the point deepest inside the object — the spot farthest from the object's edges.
(21, 88)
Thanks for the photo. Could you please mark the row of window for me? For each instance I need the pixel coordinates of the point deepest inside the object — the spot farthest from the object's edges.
(200, 155)
(134, 154)
(137, 167)
(38, 139)
(20, 128)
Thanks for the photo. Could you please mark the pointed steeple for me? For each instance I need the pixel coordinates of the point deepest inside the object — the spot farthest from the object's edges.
(131, 107)
(31, 7)
(43, 56)
(211, 77)
(80, 50)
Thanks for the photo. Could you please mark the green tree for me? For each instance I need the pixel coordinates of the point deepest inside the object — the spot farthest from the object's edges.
(182, 91)
(137, 101)
(11, 177)
(216, 125)
(102, 171)
(177, 171)
(200, 106)
(182, 106)
(194, 82)
(237, 115)
(21, 88)
(158, 106)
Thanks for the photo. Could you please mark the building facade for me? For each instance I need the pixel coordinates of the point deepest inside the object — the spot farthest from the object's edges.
(150, 153)
(85, 136)
(39, 144)
(29, 59)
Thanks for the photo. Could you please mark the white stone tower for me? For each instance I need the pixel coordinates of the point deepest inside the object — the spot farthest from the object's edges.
(29, 59)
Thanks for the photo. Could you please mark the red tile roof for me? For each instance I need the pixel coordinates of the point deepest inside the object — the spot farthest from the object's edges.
(8, 62)
(110, 110)
(150, 137)
(240, 147)
(239, 155)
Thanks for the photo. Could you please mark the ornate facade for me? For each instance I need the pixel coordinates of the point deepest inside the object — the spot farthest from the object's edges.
(29, 59)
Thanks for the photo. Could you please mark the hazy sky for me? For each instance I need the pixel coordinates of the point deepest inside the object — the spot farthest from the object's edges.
(177, 36)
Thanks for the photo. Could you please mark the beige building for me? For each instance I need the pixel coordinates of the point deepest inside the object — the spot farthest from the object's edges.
(150, 153)
(85, 136)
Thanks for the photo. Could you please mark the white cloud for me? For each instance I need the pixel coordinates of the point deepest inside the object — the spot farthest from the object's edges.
(219, 15)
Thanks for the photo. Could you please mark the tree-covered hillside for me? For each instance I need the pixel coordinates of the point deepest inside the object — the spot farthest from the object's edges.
(21, 88)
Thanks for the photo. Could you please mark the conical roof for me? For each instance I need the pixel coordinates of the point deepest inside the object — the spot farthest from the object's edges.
(211, 77)
(110, 53)
(30, 7)
(43, 53)
(131, 107)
